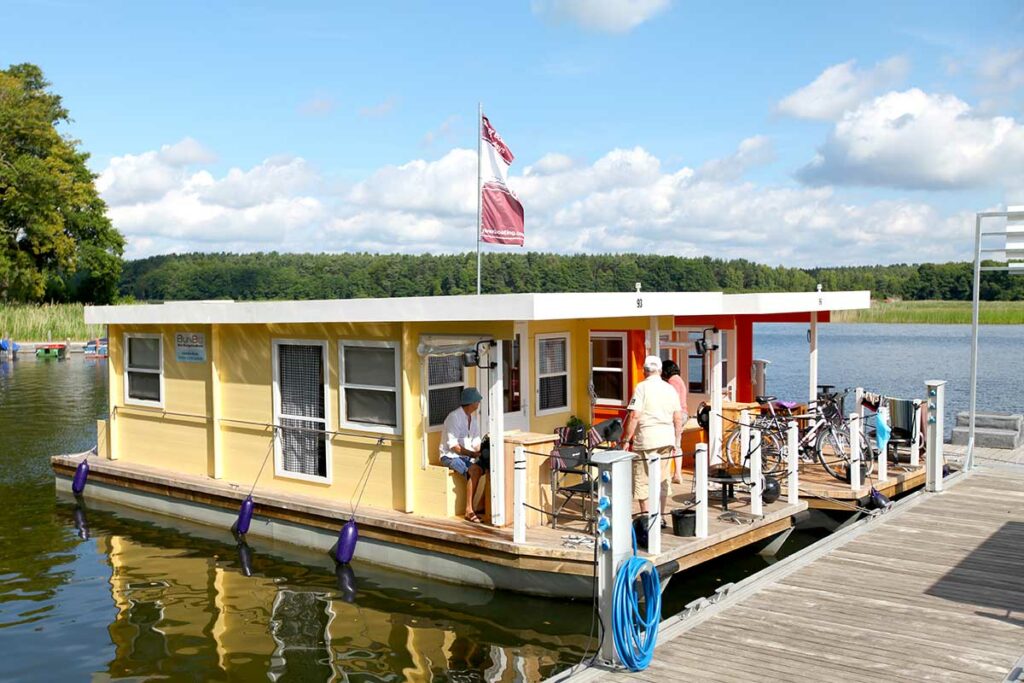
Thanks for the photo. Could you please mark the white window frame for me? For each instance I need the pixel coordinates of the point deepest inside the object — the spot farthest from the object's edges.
(128, 400)
(397, 390)
(621, 336)
(568, 374)
(448, 385)
(279, 469)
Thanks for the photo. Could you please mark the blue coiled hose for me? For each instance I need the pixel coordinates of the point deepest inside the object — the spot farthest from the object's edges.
(635, 635)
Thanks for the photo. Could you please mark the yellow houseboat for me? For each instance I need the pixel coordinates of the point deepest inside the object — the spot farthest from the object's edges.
(332, 409)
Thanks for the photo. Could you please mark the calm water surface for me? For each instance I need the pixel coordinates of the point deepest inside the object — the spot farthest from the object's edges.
(111, 592)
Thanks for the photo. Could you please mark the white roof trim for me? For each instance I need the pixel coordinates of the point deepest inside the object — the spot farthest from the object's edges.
(489, 307)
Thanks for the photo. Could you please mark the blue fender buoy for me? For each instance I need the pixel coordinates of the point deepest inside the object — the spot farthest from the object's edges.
(244, 517)
(81, 523)
(347, 538)
(245, 558)
(346, 582)
(81, 474)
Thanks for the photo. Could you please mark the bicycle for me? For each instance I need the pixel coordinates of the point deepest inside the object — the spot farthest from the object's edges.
(825, 440)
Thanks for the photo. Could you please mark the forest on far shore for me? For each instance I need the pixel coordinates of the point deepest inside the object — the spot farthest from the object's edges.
(343, 276)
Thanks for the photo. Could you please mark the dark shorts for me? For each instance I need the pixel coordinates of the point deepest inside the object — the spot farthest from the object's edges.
(458, 463)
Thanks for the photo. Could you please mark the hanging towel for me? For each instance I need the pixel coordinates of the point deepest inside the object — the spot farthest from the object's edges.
(882, 430)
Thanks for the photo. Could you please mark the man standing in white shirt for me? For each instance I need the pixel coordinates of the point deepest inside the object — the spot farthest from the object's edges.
(460, 445)
(654, 415)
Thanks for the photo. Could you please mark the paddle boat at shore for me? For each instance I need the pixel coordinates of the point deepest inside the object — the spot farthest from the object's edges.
(312, 413)
(57, 350)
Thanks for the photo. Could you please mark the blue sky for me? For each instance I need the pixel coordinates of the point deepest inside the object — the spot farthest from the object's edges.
(638, 125)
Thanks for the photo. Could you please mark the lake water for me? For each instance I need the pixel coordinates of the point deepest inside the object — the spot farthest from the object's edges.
(110, 592)
(897, 359)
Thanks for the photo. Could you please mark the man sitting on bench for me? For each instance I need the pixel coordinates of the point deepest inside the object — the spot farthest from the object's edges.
(461, 446)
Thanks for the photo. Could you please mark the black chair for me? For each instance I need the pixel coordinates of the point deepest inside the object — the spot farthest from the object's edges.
(571, 478)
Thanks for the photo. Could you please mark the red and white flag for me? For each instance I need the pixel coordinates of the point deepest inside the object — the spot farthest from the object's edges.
(501, 214)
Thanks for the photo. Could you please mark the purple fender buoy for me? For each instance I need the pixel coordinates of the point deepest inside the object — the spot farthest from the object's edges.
(244, 517)
(347, 538)
(81, 474)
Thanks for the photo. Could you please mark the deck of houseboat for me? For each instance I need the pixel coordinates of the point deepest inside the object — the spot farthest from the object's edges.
(313, 522)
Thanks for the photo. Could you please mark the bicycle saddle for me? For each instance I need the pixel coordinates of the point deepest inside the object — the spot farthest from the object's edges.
(764, 399)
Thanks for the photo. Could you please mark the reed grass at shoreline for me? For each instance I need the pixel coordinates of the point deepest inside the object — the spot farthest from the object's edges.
(935, 313)
(57, 322)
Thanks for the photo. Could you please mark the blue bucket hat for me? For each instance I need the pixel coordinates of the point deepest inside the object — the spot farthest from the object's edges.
(470, 395)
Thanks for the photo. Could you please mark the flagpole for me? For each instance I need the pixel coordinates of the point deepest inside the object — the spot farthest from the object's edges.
(479, 170)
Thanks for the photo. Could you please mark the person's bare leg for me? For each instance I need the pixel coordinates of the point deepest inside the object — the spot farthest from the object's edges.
(474, 479)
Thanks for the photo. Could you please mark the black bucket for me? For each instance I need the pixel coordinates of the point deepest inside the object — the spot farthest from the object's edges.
(684, 522)
(847, 471)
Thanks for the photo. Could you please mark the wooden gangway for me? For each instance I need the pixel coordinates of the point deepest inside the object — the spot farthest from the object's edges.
(932, 590)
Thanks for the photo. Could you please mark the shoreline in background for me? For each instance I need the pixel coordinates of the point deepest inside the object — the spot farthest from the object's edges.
(59, 322)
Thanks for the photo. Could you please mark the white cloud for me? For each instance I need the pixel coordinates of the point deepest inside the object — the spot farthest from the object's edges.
(1002, 70)
(624, 201)
(842, 87)
(610, 16)
(380, 109)
(918, 140)
(150, 175)
(445, 131)
(318, 106)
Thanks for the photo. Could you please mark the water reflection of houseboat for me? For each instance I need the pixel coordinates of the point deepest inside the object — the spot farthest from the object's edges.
(201, 393)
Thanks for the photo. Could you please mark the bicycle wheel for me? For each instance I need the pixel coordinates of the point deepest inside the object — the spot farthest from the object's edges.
(833, 450)
(773, 458)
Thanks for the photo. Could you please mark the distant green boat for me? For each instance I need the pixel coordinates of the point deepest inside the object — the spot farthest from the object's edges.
(58, 351)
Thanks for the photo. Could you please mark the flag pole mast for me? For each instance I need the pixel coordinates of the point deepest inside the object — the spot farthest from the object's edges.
(479, 170)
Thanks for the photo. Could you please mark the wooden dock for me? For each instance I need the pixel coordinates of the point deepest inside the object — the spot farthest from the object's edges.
(932, 590)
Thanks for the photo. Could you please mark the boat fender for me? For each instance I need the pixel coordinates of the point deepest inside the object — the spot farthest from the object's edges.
(81, 523)
(346, 582)
(81, 475)
(241, 527)
(245, 558)
(878, 500)
(771, 490)
(346, 546)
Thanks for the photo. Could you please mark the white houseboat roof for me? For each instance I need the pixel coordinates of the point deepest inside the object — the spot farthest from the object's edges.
(487, 307)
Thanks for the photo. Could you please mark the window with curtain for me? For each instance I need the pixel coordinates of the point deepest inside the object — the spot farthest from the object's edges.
(552, 373)
(446, 377)
(301, 408)
(143, 370)
(370, 385)
(608, 368)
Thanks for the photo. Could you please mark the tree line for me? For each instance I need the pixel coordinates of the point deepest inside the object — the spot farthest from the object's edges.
(354, 275)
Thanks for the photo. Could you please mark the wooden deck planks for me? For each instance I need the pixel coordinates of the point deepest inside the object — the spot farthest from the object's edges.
(936, 593)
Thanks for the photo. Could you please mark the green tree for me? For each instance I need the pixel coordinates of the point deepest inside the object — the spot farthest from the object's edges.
(56, 241)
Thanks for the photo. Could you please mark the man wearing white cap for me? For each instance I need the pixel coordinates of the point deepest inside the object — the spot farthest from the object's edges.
(655, 418)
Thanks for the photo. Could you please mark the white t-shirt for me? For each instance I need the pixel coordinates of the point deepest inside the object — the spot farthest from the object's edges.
(460, 429)
(657, 402)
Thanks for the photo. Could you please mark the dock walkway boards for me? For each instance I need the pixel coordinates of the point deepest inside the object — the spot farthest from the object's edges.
(936, 592)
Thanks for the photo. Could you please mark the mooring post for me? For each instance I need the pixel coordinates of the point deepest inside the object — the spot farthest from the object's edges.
(858, 396)
(614, 529)
(519, 496)
(933, 455)
(793, 464)
(744, 438)
(700, 489)
(756, 478)
(854, 453)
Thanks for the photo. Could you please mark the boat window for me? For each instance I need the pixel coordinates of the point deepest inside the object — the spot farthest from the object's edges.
(552, 373)
(143, 376)
(608, 367)
(301, 409)
(370, 384)
(446, 377)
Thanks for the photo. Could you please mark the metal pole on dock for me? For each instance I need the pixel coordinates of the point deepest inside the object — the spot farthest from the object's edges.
(700, 490)
(855, 471)
(934, 456)
(793, 464)
(756, 477)
(975, 304)
(654, 506)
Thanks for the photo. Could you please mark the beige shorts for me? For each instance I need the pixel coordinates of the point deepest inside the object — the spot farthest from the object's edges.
(641, 470)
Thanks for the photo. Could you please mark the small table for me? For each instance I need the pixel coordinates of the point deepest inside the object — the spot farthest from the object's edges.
(728, 483)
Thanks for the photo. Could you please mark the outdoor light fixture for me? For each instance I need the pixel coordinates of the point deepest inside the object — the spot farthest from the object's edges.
(701, 345)
(1012, 253)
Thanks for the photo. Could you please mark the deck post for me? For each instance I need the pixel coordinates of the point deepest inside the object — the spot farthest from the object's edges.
(915, 441)
(744, 438)
(519, 495)
(793, 464)
(700, 489)
(654, 505)
(812, 338)
(933, 454)
(756, 476)
(855, 472)
(715, 421)
(858, 395)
